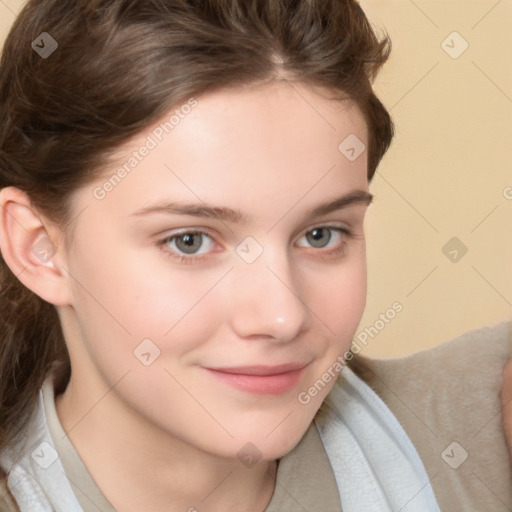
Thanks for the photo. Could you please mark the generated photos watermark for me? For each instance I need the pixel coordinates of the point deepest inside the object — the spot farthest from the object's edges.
(152, 141)
(361, 341)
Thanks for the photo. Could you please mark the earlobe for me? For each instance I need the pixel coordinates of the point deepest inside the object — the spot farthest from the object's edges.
(28, 249)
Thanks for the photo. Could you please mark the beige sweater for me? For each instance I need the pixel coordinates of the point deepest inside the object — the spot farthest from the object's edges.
(447, 400)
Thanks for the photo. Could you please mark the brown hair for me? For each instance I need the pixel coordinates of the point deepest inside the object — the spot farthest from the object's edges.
(120, 65)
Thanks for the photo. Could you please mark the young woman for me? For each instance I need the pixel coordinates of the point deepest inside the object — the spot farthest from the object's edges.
(183, 190)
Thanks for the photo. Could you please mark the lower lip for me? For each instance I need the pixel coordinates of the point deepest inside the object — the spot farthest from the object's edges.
(261, 384)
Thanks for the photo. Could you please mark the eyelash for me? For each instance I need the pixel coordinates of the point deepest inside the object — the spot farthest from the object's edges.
(191, 259)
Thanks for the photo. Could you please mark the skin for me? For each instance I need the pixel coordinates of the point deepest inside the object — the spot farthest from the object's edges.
(166, 436)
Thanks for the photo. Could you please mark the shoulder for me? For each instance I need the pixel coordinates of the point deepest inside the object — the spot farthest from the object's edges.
(447, 400)
(18, 456)
(472, 361)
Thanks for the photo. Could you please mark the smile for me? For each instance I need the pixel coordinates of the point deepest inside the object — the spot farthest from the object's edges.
(261, 380)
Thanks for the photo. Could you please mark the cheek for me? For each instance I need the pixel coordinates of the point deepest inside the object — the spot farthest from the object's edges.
(339, 307)
(127, 301)
(340, 301)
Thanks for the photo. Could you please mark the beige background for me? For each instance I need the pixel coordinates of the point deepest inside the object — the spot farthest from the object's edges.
(446, 175)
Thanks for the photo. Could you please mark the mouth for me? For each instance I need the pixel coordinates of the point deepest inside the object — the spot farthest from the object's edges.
(261, 379)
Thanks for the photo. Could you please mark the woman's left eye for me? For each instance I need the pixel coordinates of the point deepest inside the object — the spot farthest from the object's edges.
(186, 246)
(321, 236)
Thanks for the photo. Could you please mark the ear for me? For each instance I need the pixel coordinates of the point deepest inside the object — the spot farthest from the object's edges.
(30, 247)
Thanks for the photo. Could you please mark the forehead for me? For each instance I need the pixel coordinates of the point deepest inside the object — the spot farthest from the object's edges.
(293, 110)
(241, 146)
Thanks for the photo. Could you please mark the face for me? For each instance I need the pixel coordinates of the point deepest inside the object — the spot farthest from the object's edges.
(205, 325)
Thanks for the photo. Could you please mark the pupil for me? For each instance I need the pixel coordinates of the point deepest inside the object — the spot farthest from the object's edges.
(317, 235)
(188, 243)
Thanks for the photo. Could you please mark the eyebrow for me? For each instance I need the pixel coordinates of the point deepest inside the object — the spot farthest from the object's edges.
(236, 216)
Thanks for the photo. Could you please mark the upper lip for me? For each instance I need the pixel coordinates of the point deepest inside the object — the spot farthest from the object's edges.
(261, 369)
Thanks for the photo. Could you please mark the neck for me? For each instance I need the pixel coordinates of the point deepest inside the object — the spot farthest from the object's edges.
(139, 467)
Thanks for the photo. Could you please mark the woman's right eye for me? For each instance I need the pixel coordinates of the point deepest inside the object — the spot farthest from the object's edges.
(186, 245)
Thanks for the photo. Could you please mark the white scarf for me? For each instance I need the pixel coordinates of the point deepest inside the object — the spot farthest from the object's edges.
(375, 464)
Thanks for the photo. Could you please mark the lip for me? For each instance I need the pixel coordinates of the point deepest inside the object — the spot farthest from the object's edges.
(261, 379)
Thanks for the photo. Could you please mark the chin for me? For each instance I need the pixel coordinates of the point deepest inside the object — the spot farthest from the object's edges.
(282, 441)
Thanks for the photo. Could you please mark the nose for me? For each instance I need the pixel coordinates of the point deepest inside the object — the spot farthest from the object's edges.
(267, 300)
